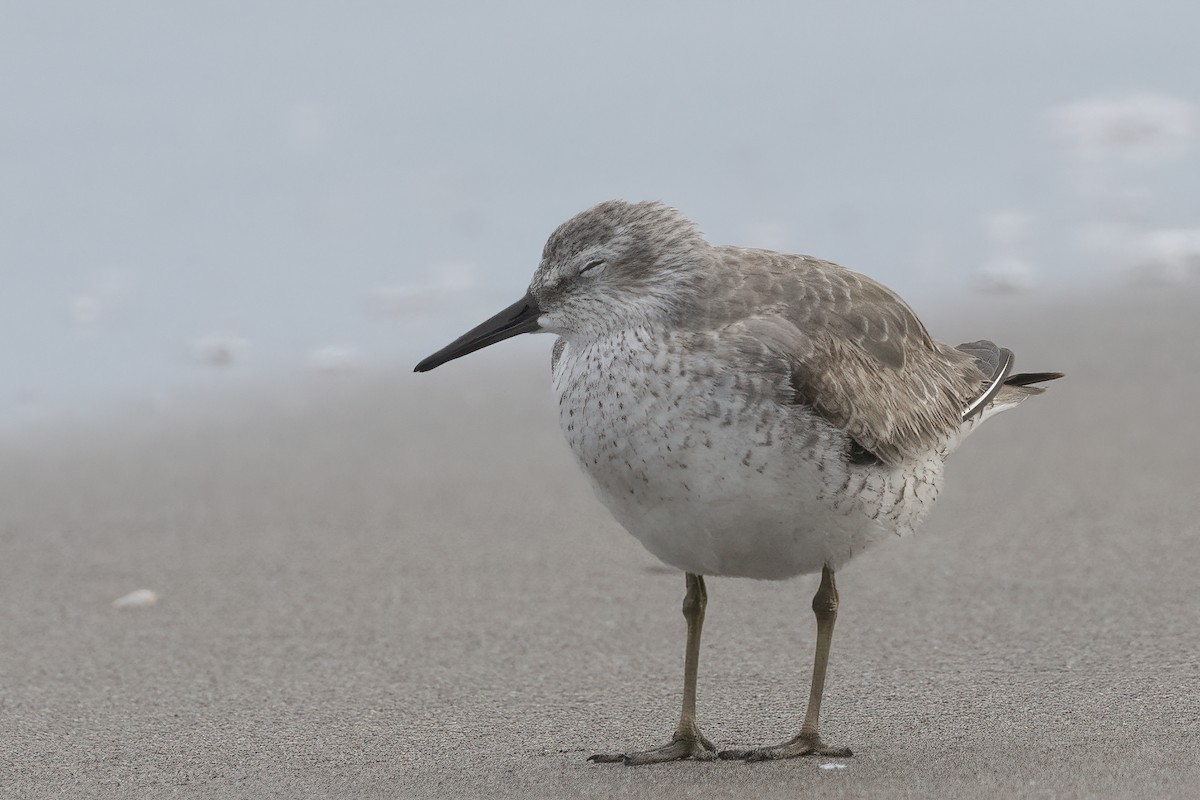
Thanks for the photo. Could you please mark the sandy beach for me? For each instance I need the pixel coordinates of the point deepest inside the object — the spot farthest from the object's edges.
(397, 585)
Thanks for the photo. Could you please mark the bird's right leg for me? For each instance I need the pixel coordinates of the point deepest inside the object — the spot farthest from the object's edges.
(808, 741)
(688, 741)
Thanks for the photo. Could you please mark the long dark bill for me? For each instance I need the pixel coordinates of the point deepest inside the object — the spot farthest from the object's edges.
(520, 317)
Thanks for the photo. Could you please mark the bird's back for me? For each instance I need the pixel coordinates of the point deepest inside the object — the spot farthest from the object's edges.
(842, 344)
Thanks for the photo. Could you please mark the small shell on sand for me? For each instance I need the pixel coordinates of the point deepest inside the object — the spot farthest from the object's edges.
(142, 598)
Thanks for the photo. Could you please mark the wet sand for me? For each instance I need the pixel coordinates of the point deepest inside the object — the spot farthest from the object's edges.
(400, 586)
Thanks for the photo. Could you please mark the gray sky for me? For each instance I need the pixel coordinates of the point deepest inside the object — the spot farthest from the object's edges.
(184, 185)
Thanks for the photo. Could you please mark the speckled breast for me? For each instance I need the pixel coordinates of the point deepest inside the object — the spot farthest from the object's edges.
(713, 475)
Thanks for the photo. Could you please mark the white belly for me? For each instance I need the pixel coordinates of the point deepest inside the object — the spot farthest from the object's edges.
(714, 477)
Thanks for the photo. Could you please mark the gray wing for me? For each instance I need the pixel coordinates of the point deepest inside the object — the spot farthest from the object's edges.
(851, 349)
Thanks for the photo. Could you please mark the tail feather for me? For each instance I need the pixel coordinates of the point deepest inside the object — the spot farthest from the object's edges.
(995, 362)
(1002, 391)
(1026, 378)
(1017, 387)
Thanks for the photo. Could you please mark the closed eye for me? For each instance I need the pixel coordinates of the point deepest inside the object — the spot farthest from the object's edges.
(593, 264)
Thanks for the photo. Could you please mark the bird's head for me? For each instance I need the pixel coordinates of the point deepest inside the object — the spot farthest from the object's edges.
(614, 267)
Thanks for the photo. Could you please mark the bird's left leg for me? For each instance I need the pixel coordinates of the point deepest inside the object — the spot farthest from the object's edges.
(688, 741)
(808, 742)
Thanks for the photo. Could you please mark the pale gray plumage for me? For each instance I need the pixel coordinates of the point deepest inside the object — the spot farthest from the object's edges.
(822, 335)
(744, 412)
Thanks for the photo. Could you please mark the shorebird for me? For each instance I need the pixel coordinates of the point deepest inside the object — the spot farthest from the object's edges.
(745, 413)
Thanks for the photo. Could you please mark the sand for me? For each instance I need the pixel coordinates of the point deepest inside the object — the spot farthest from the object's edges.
(390, 585)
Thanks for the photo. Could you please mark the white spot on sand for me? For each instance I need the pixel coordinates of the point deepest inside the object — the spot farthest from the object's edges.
(141, 598)
(833, 765)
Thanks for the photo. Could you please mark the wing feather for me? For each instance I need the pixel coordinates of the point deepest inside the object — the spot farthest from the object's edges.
(850, 349)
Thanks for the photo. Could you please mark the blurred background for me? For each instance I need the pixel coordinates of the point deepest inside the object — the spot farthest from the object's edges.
(197, 196)
(243, 547)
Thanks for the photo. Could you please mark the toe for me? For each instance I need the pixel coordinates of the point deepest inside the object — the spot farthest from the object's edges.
(697, 749)
(795, 748)
(675, 751)
(607, 758)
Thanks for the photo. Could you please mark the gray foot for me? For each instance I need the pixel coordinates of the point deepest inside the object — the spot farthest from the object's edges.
(793, 748)
(695, 747)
